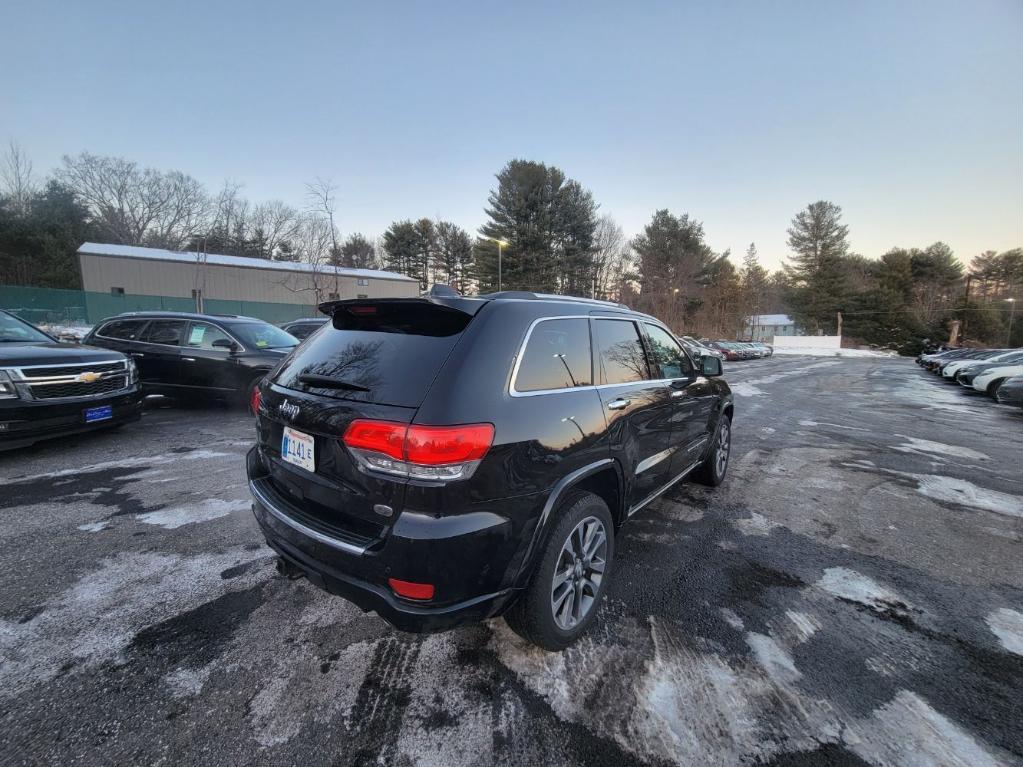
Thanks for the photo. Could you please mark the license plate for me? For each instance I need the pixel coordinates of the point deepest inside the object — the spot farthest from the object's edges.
(299, 449)
(94, 414)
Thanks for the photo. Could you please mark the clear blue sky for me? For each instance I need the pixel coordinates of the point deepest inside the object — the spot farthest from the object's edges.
(907, 114)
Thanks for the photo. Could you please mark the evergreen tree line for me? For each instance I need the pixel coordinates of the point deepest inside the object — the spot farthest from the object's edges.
(543, 232)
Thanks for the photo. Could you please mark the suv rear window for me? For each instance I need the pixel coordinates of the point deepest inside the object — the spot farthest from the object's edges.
(557, 356)
(391, 349)
(622, 359)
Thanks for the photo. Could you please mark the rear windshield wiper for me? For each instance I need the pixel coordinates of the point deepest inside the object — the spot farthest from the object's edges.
(326, 382)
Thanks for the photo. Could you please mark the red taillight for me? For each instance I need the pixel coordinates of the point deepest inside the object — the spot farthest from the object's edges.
(411, 590)
(384, 437)
(256, 401)
(362, 309)
(421, 445)
(433, 445)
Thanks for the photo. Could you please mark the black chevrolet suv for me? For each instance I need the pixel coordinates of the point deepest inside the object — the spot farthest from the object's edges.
(447, 459)
(196, 355)
(52, 389)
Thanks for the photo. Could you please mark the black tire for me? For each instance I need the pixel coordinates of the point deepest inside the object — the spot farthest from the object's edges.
(532, 617)
(711, 471)
(994, 386)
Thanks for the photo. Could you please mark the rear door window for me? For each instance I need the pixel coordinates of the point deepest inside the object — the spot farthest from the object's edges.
(557, 356)
(620, 351)
(164, 332)
(387, 353)
(667, 358)
(122, 330)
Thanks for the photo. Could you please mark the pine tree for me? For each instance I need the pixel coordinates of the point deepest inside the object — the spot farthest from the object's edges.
(819, 242)
(549, 223)
(358, 253)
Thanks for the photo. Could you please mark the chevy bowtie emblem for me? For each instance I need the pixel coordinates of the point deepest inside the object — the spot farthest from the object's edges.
(88, 377)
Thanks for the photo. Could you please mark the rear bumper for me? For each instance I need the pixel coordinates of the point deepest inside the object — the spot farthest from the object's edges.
(24, 422)
(466, 557)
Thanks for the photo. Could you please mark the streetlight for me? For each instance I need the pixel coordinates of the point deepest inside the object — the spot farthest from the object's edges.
(1012, 312)
(500, 244)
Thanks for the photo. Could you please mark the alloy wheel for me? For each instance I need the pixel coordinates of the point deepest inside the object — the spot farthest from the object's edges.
(578, 573)
(724, 445)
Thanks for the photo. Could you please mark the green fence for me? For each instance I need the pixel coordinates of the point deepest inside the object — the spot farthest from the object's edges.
(78, 307)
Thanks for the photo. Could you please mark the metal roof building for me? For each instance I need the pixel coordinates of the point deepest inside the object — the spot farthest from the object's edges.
(130, 270)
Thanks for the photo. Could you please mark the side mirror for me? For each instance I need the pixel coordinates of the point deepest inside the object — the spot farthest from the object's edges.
(710, 366)
(225, 343)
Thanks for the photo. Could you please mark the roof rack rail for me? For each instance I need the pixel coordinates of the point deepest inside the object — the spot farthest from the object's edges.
(531, 296)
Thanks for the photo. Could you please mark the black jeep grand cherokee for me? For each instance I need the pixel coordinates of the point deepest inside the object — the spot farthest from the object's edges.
(51, 389)
(447, 459)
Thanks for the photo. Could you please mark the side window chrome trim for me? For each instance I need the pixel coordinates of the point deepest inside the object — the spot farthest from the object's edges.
(522, 350)
(512, 391)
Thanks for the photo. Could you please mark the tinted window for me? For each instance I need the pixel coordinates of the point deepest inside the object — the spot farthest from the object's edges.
(393, 350)
(166, 332)
(124, 330)
(201, 335)
(621, 353)
(303, 330)
(666, 356)
(557, 356)
(262, 335)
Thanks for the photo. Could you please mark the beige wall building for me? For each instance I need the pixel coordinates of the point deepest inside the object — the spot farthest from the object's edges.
(123, 269)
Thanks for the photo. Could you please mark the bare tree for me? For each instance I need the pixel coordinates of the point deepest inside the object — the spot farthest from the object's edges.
(611, 259)
(275, 224)
(19, 183)
(321, 196)
(135, 206)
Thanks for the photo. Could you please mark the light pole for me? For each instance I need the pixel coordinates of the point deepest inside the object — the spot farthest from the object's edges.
(500, 245)
(1012, 312)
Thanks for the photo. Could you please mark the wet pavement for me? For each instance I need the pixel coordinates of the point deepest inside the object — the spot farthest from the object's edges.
(853, 594)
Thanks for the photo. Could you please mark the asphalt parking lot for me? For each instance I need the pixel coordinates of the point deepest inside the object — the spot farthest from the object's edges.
(853, 594)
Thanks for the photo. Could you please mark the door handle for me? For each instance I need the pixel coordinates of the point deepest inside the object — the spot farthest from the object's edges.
(188, 359)
(618, 404)
(679, 393)
(137, 354)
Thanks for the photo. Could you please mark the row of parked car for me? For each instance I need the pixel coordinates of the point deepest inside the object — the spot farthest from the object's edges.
(49, 388)
(995, 372)
(741, 350)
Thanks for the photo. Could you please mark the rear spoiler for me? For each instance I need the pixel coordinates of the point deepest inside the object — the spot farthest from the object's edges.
(457, 303)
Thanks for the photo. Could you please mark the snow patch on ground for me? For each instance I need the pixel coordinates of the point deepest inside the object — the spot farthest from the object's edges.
(752, 388)
(806, 626)
(95, 618)
(833, 425)
(204, 511)
(1007, 625)
(731, 618)
(94, 527)
(773, 659)
(908, 731)
(757, 524)
(127, 463)
(915, 445)
(816, 351)
(960, 491)
(856, 587)
(187, 682)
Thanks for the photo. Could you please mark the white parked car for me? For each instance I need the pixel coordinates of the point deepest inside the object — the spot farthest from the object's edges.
(950, 370)
(989, 381)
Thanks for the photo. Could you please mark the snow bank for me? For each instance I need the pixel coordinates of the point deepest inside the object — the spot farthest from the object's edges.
(66, 332)
(811, 351)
